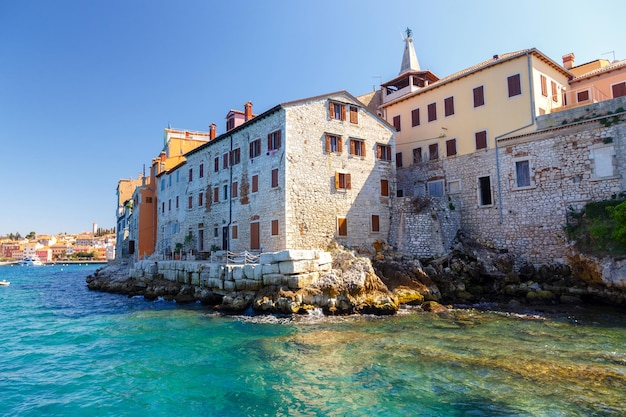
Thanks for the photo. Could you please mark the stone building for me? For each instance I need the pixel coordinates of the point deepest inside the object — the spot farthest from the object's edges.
(298, 176)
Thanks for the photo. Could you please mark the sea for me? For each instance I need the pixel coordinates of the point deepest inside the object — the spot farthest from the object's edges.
(68, 351)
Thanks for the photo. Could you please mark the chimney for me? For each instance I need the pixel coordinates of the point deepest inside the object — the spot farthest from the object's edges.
(212, 131)
(568, 61)
(162, 157)
(248, 110)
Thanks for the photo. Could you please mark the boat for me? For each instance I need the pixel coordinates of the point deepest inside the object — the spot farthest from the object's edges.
(4, 283)
(30, 262)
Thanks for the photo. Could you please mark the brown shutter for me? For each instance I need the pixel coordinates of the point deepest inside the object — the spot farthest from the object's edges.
(362, 144)
(269, 142)
(352, 147)
(328, 143)
(379, 152)
(343, 112)
(331, 108)
(278, 139)
(255, 183)
(255, 241)
(354, 115)
(384, 188)
(375, 223)
(339, 145)
(336, 180)
(348, 181)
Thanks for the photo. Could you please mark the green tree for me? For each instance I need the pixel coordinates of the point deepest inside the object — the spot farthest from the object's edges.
(618, 213)
(31, 235)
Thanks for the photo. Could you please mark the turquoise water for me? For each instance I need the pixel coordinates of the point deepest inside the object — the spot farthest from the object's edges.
(66, 351)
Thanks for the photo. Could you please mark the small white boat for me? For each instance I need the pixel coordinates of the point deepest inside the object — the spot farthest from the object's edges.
(4, 283)
(30, 262)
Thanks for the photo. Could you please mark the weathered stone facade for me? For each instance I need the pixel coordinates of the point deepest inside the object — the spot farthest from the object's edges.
(581, 160)
(276, 182)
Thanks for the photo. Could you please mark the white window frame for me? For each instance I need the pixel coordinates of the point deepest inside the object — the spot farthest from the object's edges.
(531, 169)
(602, 152)
(450, 190)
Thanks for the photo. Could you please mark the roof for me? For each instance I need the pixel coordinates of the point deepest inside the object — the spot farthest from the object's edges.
(496, 60)
(284, 105)
(409, 58)
(598, 71)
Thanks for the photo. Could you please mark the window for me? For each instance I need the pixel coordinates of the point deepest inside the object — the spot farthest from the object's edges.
(415, 117)
(479, 96)
(435, 188)
(169, 180)
(235, 156)
(169, 205)
(274, 227)
(619, 90)
(448, 106)
(354, 114)
(190, 202)
(384, 188)
(273, 141)
(400, 193)
(375, 223)
(216, 163)
(190, 174)
(225, 159)
(255, 183)
(555, 98)
(162, 184)
(163, 207)
(383, 152)
(333, 144)
(225, 191)
(514, 84)
(544, 85)
(451, 147)
(234, 231)
(337, 111)
(522, 174)
(342, 181)
(481, 139)
(357, 147)
(582, 96)
(432, 112)
(177, 176)
(216, 194)
(603, 161)
(342, 226)
(255, 148)
(433, 151)
(396, 123)
(417, 155)
(216, 233)
(201, 173)
(484, 191)
(177, 205)
(200, 199)
(234, 191)
(275, 178)
(454, 187)
(398, 159)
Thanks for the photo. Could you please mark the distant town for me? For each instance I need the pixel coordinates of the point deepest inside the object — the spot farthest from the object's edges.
(97, 245)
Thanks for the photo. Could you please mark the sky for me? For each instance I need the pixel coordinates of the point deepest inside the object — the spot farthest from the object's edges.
(87, 86)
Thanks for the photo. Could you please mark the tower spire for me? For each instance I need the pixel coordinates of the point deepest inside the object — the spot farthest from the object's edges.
(409, 59)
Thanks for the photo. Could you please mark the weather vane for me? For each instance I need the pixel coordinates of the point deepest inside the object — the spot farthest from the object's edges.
(409, 33)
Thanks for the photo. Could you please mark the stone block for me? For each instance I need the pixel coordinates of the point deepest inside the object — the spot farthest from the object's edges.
(195, 278)
(229, 285)
(297, 267)
(214, 271)
(301, 280)
(248, 271)
(270, 269)
(295, 255)
(324, 257)
(215, 283)
(237, 272)
(266, 258)
(240, 284)
(273, 279)
(252, 285)
(258, 273)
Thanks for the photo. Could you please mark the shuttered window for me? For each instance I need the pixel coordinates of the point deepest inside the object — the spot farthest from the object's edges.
(398, 159)
(343, 181)
(619, 90)
(375, 223)
(333, 144)
(275, 178)
(479, 96)
(273, 141)
(354, 114)
(432, 112)
(544, 85)
(481, 140)
(216, 194)
(342, 226)
(417, 155)
(396, 123)
(384, 188)
(274, 227)
(234, 190)
(448, 105)
(337, 111)
(255, 148)
(234, 231)
(433, 151)
(553, 88)
(451, 147)
(514, 84)
(357, 147)
(415, 117)
(255, 183)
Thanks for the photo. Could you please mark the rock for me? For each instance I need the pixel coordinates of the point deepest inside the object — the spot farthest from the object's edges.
(406, 295)
(433, 307)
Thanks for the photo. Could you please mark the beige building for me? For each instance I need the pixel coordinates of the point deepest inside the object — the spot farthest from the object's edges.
(466, 112)
(300, 175)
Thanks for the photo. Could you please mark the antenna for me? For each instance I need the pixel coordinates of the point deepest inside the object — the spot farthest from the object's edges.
(610, 52)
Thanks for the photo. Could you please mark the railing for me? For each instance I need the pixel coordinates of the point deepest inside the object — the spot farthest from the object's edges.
(577, 98)
(239, 258)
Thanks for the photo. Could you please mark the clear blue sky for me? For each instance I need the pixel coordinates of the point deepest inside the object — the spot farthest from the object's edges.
(87, 86)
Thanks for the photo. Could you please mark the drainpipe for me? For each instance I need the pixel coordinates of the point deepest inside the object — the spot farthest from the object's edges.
(230, 191)
(532, 122)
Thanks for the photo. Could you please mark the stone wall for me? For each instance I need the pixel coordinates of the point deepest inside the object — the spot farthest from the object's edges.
(294, 269)
(566, 172)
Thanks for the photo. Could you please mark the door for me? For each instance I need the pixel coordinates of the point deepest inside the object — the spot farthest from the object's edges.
(225, 238)
(255, 239)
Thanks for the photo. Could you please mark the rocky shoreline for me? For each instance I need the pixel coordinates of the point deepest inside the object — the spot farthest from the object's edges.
(469, 274)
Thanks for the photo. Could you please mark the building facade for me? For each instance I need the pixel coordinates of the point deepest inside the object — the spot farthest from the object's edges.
(300, 175)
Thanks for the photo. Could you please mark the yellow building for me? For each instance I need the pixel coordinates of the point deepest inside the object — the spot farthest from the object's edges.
(467, 111)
